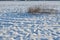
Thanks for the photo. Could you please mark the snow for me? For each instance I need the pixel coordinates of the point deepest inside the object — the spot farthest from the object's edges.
(22, 6)
(27, 26)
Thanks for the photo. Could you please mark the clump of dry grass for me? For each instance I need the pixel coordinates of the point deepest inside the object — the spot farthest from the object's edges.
(40, 10)
(33, 10)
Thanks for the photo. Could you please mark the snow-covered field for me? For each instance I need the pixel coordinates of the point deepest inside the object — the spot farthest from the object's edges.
(16, 24)
(22, 6)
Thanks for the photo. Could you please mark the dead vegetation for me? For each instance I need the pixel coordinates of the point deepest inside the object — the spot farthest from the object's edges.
(40, 10)
(33, 10)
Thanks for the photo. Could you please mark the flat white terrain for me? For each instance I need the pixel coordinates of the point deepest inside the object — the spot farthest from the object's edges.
(22, 6)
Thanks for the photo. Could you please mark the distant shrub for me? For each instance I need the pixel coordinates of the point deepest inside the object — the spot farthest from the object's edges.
(41, 10)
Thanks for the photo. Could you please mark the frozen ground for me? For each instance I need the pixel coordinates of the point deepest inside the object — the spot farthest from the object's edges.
(23, 6)
(16, 24)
